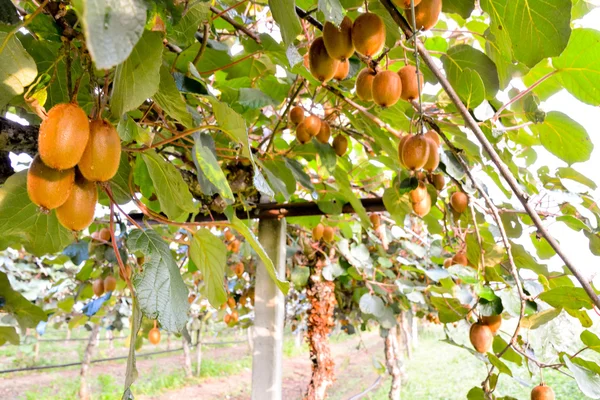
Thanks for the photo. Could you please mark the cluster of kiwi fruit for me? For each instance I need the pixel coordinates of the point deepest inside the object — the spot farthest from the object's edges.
(482, 332)
(427, 12)
(313, 126)
(325, 232)
(233, 316)
(233, 243)
(74, 154)
(101, 286)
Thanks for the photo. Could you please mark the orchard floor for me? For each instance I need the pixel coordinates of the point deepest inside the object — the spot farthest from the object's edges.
(436, 371)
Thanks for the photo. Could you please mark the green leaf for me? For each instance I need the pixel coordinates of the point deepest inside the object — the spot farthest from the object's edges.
(160, 290)
(542, 247)
(174, 196)
(538, 29)
(119, 184)
(182, 34)
(169, 98)
(9, 334)
(278, 171)
(209, 165)
(461, 57)
(302, 177)
(112, 28)
(27, 314)
(326, 154)
(371, 304)
(573, 223)
(284, 14)
(17, 69)
(138, 78)
(464, 8)
(299, 276)
(567, 297)
(255, 99)
(524, 260)
(343, 184)
(210, 256)
(591, 340)
(536, 320)
(588, 381)
(570, 173)
(496, 362)
(510, 354)
(564, 137)
(131, 373)
(397, 205)
(470, 88)
(22, 224)
(129, 131)
(449, 309)
(332, 11)
(255, 244)
(578, 67)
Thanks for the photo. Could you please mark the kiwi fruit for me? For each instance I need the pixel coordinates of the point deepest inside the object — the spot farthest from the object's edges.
(235, 246)
(104, 234)
(48, 188)
(338, 41)
(328, 234)
(63, 136)
(324, 132)
(459, 202)
(342, 70)
(434, 156)
(322, 66)
(410, 87)
(431, 134)
(448, 262)
(234, 317)
(110, 283)
(405, 3)
(191, 298)
(302, 134)
(238, 269)
(438, 181)
(227, 319)
(312, 125)
(317, 232)
(401, 146)
(375, 220)
(418, 194)
(493, 321)
(387, 87)
(154, 336)
(423, 207)
(460, 258)
(415, 152)
(100, 160)
(77, 213)
(296, 115)
(364, 84)
(481, 337)
(368, 34)
(340, 145)
(127, 272)
(231, 302)
(427, 14)
(542, 392)
(98, 287)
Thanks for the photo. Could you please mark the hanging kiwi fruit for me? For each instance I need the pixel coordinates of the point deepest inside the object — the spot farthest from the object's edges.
(296, 115)
(317, 232)
(324, 132)
(364, 84)
(340, 145)
(415, 152)
(77, 213)
(387, 88)
(423, 207)
(63, 136)
(418, 194)
(342, 70)
(427, 14)
(459, 202)
(312, 125)
(100, 160)
(368, 34)
(322, 66)
(438, 181)
(98, 287)
(338, 41)
(48, 188)
(542, 392)
(302, 135)
(401, 146)
(375, 220)
(493, 321)
(328, 234)
(481, 337)
(433, 160)
(410, 87)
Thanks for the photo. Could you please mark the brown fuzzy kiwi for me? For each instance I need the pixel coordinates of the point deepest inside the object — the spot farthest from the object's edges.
(375, 220)
(448, 262)
(98, 287)
(312, 125)
(387, 87)
(77, 213)
(110, 283)
(63, 136)
(302, 135)
(410, 87)
(415, 152)
(318, 232)
(364, 84)
(438, 181)
(368, 34)
(48, 188)
(401, 146)
(493, 321)
(338, 41)
(322, 66)
(433, 136)
(418, 194)
(104, 234)
(238, 269)
(154, 336)
(229, 236)
(297, 115)
(460, 258)
(342, 70)
(481, 337)
(405, 3)
(434, 156)
(427, 14)
(542, 392)
(459, 201)
(340, 145)
(423, 207)
(328, 234)
(324, 132)
(100, 160)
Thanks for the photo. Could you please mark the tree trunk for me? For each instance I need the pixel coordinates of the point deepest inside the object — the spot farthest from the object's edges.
(199, 349)
(414, 333)
(84, 390)
(320, 321)
(405, 333)
(187, 358)
(250, 338)
(393, 363)
(169, 341)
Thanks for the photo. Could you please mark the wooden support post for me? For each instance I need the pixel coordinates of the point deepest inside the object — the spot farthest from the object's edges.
(84, 390)
(187, 358)
(269, 315)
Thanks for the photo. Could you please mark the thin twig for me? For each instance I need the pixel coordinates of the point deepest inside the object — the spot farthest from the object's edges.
(237, 26)
(202, 45)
